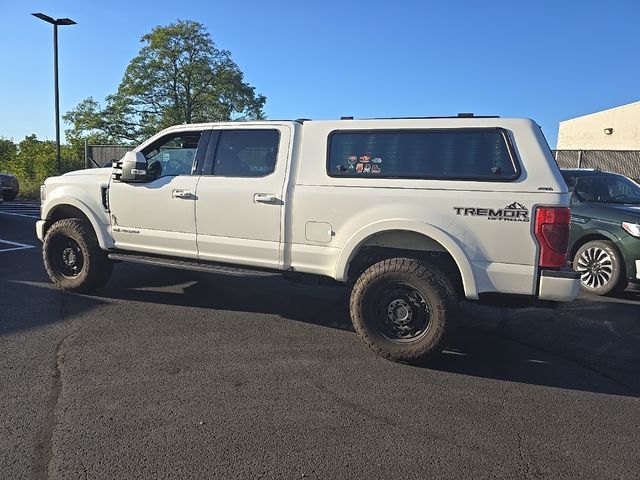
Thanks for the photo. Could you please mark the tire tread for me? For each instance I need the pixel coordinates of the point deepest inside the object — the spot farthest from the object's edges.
(97, 268)
(446, 308)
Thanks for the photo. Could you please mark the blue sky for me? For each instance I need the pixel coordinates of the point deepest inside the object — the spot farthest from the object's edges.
(548, 60)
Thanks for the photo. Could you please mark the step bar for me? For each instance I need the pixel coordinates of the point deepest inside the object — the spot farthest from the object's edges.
(193, 265)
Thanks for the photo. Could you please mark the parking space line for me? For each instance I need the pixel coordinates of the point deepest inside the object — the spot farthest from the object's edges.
(14, 246)
(18, 214)
(20, 209)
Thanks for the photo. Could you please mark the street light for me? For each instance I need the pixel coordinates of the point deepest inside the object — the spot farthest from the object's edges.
(55, 22)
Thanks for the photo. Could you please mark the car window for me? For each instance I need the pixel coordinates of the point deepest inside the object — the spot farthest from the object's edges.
(475, 154)
(246, 153)
(172, 155)
(605, 188)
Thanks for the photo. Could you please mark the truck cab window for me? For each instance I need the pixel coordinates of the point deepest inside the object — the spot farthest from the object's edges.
(172, 155)
(246, 153)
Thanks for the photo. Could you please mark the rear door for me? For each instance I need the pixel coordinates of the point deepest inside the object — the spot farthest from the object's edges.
(239, 212)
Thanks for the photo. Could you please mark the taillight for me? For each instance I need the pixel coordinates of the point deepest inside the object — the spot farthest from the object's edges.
(552, 233)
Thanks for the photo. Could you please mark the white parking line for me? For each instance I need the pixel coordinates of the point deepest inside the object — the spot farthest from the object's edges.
(14, 246)
(26, 209)
(19, 214)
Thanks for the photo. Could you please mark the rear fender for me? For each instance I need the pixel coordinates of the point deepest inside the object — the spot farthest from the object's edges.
(449, 243)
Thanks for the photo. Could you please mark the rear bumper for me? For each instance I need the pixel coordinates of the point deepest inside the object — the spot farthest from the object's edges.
(559, 285)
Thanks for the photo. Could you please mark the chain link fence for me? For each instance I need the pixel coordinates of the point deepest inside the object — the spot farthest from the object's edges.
(626, 162)
(103, 155)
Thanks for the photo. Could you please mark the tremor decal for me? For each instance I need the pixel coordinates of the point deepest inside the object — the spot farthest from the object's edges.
(515, 212)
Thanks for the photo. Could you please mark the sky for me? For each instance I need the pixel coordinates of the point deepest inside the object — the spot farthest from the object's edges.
(549, 60)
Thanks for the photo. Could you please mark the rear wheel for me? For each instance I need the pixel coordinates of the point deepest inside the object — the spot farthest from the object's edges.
(601, 268)
(403, 309)
(72, 257)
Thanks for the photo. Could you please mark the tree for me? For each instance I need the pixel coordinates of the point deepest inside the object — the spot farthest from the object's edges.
(8, 151)
(33, 160)
(179, 76)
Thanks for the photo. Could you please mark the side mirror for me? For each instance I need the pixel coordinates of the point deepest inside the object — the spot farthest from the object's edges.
(131, 168)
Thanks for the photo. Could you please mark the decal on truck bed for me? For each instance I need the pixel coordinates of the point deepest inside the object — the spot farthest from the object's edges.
(515, 212)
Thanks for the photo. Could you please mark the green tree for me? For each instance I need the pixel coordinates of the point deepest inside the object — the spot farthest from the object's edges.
(8, 151)
(35, 160)
(179, 76)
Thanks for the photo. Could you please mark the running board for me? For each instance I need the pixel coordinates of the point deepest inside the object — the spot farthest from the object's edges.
(193, 265)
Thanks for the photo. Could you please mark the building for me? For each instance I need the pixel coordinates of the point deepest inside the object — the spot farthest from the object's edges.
(613, 129)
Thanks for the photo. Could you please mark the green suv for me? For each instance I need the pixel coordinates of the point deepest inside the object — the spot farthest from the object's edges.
(604, 246)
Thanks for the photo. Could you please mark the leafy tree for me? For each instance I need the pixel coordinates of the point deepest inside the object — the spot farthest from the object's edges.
(33, 160)
(179, 76)
(8, 151)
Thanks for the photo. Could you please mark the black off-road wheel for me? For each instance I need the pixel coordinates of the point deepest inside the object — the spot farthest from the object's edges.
(601, 268)
(405, 310)
(72, 257)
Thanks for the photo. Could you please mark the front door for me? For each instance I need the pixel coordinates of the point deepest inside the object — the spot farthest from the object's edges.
(240, 195)
(159, 216)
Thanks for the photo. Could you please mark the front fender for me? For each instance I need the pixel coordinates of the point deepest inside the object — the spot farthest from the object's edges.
(449, 243)
(98, 218)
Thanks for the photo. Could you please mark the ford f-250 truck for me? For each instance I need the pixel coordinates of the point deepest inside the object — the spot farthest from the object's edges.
(416, 214)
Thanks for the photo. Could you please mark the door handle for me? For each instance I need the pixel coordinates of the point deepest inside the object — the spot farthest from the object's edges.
(179, 193)
(265, 198)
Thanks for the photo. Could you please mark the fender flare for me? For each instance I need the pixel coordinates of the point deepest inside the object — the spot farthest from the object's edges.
(99, 228)
(448, 242)
(594, 232)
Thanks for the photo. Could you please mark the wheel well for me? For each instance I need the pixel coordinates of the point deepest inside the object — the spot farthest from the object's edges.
(399, 243)
(65, 211)
(586, 239)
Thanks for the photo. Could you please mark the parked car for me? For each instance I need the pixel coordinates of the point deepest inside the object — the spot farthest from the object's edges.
(604, 245)
(414, 214)
(10, 186)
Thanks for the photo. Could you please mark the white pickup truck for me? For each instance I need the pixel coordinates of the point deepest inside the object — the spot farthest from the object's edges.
(416, 214)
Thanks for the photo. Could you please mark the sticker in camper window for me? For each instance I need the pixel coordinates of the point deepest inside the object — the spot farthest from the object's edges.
(365, 158)
(367, 168)
(376, 160)
(359, 168)
(375, 168)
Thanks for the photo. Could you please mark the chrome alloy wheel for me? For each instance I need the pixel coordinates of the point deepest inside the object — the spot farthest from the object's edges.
(595, 267)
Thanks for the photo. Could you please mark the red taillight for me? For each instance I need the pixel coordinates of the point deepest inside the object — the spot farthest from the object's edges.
(552, 232)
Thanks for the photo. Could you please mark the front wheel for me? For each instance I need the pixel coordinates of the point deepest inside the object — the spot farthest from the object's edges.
(403, 309)
(73, 258)
(601, 268)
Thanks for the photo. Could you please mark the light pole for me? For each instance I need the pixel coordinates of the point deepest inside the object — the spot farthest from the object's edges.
(55, 22)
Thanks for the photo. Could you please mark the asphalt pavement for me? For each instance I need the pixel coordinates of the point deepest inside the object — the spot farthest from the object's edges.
(174, 374)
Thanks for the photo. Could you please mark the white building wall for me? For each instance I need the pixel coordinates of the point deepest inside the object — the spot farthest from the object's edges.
(588, 132)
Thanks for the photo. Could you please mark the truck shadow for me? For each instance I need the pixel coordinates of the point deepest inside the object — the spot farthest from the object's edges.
(28, 300)
(590, 344)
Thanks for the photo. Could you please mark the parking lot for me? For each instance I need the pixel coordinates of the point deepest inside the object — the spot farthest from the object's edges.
(174, 374)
